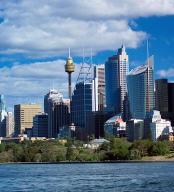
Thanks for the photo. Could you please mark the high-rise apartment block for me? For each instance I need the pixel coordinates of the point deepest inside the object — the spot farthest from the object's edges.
(23, 116)
(141, 90)
(116, 69)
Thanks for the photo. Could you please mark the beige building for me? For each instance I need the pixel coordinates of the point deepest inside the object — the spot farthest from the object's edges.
(23, 116)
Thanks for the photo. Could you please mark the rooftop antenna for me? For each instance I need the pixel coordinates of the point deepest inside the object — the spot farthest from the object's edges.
(69, 52)
(147, 52)
(53, 84)
(148, 74)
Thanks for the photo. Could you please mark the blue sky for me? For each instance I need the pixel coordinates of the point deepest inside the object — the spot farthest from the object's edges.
(35, 36)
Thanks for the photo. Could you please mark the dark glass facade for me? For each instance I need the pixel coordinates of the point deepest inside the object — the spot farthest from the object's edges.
(81, 103)
(141, 90)
(40, 125)
(58, 116)
(161, 95)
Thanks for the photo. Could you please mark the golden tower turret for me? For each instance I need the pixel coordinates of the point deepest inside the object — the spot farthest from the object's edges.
(69, 68)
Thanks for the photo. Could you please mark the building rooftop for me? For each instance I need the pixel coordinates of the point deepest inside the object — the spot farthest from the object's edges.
(115, 118)
(138, 70)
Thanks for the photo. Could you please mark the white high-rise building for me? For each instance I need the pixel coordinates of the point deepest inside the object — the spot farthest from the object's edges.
(99, 74)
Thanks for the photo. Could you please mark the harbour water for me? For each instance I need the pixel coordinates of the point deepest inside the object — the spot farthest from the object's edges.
(118, 177)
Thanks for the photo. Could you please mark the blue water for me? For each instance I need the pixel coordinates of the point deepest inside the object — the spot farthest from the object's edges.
(87, 177)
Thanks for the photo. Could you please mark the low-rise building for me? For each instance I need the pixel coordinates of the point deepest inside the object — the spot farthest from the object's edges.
(159, 127)
(115, 126)
(135, 129)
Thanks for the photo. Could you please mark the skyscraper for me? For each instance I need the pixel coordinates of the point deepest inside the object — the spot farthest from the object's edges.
(3, 110)
(3, 114)
(23, 116)
(161, 95)
(141, 89)
(171, 102)
(99, 73)
(116, 69)
(58, 113)
(164, 94)
(83, 101)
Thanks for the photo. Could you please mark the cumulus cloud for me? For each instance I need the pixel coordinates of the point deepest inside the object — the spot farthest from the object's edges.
(49, 27)
(34, 79)
(166, 73)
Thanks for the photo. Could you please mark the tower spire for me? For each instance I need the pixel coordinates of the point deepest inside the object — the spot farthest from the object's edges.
(69, 68)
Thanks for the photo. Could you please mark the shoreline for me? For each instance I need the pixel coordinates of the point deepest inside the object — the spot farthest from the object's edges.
(93, 162)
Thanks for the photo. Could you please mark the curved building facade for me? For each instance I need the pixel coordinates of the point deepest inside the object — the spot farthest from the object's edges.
(140, 83)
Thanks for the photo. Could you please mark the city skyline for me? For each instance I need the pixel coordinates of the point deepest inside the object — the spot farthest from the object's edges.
(32, 64)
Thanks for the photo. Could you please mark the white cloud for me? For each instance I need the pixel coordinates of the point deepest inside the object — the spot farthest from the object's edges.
(44, 28)
(49, 27)
(35, 79)
(166, 73)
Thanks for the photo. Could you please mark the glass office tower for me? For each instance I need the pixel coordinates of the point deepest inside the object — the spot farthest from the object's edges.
(84, 101)
(140, 83)
(116, 69)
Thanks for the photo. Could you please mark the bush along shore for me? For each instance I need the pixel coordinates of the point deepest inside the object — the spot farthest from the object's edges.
(73, 151)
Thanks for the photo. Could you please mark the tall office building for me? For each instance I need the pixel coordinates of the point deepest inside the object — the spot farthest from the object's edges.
(141, 90)
(9, 123)
(99, 74)
(3, 110)
(23, 116)
(3, 114)
(171, 97)
(164, 94)
(171, 102)
(53, 94)
(116, 69)
(40, 125)
(58, 113)
(161, 95)
(84, 100)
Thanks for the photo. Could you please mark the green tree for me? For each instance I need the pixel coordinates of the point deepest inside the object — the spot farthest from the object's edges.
(72, 153)
(119, 149)
(6, 156)
(2, 147)
(143, 146)
(134, 154)
(159, 148)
